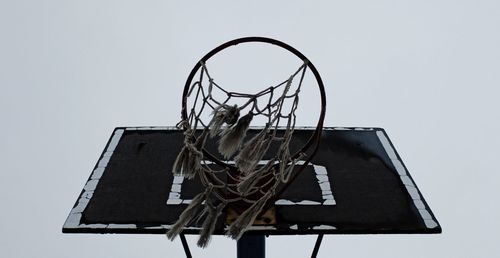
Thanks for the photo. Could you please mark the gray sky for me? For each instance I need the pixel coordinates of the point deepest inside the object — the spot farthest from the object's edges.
(71, 71)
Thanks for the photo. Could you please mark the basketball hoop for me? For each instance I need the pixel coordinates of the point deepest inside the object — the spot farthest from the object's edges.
(249, 188)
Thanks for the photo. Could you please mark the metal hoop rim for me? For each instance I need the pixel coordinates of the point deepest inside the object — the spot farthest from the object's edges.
(315, 137)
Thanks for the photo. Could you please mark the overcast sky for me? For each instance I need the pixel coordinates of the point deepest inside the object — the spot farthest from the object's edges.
(426, 71)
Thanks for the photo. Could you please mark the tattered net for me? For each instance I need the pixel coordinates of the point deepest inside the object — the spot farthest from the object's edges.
(248, 182)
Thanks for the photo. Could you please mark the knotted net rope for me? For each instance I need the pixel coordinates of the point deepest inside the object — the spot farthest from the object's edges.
(245, 179)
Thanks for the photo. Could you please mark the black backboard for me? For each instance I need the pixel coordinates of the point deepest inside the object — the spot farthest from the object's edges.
(356, 184)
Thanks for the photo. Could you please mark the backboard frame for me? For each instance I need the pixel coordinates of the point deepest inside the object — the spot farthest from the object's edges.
(75, 224)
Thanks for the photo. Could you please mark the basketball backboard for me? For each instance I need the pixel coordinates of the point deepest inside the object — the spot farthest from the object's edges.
(355, 184)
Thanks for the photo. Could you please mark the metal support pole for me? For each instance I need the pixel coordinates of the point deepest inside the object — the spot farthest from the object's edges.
(185, 245)
(317, 245)
(251, 246)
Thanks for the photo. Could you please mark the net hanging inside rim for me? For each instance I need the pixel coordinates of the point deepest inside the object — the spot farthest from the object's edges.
(233, 177)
